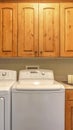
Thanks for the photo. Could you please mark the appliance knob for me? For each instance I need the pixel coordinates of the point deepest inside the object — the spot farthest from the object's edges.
(4, 74)
(43, 73)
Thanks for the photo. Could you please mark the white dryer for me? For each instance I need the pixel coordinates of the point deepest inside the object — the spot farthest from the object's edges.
(38, 101)
(7, 80)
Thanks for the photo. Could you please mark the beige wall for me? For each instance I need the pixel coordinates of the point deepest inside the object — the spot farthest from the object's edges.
(61, 66)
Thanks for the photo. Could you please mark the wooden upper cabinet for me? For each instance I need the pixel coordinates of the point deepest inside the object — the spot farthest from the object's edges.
(27, 29)
(66, 29)
(38, 29)
(8, 29)
(49, 29)
(35, 26)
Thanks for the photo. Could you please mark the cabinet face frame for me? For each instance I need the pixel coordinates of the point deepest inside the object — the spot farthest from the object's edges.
(12, 49)
(8, 29)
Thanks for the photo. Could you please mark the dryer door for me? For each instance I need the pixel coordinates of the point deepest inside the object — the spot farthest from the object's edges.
(1, 113)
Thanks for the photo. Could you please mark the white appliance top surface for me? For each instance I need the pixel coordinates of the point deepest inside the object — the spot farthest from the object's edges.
(6, 85)
(39, 79)
(38, 85)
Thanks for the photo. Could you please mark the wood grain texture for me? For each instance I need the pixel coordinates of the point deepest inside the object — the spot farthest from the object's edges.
(66, 29)
(27, 29)
(69, 110)
(69, 94)
(49, 29)
(8, 29)
(36, 1)
(69, 115)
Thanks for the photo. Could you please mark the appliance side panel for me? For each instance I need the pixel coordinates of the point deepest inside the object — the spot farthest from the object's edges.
(2, 113)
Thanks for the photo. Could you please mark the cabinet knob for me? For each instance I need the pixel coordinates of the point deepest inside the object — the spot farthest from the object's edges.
(41, 52)
(35, 52)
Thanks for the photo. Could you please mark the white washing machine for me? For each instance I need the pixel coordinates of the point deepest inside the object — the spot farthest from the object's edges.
(38, 101)
(7, 80)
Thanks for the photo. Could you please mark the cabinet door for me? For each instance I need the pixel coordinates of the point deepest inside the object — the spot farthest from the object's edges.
(8, 29)
(49, 29)
(27, 29)
(66, 29)
(69, 115)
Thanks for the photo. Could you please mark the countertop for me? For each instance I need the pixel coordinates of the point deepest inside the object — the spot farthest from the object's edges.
(67, 86)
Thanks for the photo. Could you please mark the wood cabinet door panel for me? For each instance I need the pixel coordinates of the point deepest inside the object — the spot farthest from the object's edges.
(66, 34)
(69, 115)
(27, 29)
(8, 29)
(49, 29)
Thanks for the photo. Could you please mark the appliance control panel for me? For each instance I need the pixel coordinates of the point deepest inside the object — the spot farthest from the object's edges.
(8, 75)
(36, 74)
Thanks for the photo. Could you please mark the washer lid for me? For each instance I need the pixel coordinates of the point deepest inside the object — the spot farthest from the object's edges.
(37, 85)
(36, 82)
